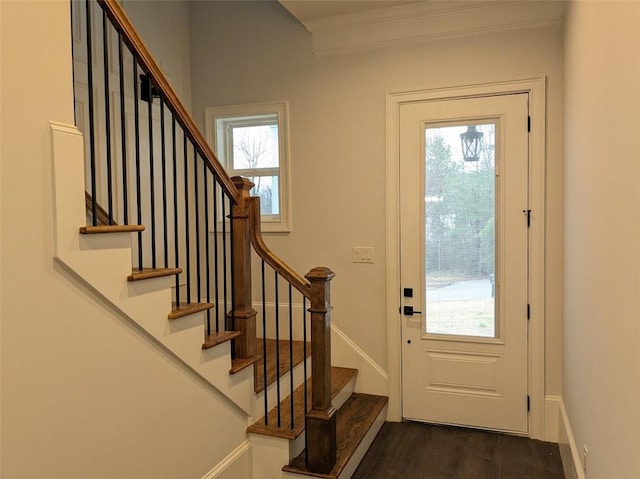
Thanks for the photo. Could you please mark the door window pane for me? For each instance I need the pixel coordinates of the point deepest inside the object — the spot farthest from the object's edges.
(460, 231)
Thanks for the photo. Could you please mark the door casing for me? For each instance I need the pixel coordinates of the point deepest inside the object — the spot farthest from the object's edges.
(535, 87)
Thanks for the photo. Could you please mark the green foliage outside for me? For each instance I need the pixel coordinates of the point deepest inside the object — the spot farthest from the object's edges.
(459, 213)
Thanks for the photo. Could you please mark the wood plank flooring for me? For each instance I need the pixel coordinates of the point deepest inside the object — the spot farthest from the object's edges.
(412, 450)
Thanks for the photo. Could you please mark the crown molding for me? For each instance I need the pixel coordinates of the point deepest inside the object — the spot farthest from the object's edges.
(427, 21)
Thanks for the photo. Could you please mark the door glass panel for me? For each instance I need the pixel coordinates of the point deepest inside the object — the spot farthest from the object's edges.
(460, 230)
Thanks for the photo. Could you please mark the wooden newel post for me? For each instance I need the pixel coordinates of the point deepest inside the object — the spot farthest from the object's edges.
(321, 419)
(242, 316)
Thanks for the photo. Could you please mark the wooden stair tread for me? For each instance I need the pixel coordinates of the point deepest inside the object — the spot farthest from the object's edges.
(185, 309)
(148, 273)
(339, 379)
(298, 356)
(239, 364)
(353, 421)
(214, 339)
(90, 230)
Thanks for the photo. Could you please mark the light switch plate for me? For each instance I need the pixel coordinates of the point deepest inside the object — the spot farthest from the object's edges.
(362, 254)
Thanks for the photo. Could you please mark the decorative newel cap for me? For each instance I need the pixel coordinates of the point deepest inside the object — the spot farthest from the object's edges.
(242, 183)
(320, 273)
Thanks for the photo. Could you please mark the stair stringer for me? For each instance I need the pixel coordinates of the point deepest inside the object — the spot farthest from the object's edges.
(104, 262)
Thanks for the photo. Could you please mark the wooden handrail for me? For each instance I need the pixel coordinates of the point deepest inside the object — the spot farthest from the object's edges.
(121, 22)
(268, 256)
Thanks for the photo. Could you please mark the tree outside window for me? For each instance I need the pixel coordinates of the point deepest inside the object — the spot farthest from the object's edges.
(252, 141)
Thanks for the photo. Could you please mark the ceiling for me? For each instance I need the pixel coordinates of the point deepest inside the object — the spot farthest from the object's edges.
(339, 26)
(309, 10)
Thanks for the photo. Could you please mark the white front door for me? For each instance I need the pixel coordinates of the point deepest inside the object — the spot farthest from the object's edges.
(464, 261)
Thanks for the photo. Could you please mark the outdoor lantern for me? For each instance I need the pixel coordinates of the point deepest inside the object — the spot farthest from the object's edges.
(471, 140)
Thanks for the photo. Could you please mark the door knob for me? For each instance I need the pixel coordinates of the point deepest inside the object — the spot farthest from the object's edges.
(408, 311)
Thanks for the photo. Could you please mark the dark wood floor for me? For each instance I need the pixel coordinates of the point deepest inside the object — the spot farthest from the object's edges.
(412, 450)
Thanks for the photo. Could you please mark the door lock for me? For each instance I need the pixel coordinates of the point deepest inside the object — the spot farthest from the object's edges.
(408, 311)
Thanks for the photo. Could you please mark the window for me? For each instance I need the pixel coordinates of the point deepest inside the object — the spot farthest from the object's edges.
(252, 141)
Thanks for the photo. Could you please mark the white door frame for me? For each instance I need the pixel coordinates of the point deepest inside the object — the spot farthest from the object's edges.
(535, 87)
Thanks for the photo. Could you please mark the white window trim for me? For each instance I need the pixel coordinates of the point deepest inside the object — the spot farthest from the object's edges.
(281, 110)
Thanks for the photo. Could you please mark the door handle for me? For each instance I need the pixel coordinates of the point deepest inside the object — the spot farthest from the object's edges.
(408, 311)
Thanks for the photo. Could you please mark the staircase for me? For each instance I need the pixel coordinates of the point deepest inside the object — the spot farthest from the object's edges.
(192, 239)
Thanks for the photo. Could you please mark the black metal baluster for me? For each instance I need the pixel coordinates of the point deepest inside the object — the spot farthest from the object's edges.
(291, 354)
(186, 217)
(216, 276)
(136, 119)
(176, 230)
(163, 141)
(197, 221)
(123, 132)
(277, 348)
(152, 183)
(206, 244)
(107, 114)
(264, 348)
(92, 140)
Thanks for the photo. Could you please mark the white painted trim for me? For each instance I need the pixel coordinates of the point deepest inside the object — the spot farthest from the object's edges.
(426, 21)
(281, 110)
(535, 87)
(568, 448)
(552, 418)
(238, 454)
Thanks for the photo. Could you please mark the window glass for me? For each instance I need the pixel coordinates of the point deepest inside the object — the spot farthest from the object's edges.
(460, 240)
(252, 141)
(255, 146)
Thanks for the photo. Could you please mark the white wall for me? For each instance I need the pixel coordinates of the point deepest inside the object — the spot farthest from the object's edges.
(84, 394)
(164, 28)
(602, 234)
(255, 51)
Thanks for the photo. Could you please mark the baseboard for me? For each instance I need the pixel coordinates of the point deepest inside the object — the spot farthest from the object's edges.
(552, 418)
(372, 379)
(237, 464)
(568, 448)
